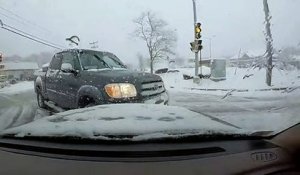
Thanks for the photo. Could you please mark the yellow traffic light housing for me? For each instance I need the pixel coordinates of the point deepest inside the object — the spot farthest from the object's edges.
(198, 31)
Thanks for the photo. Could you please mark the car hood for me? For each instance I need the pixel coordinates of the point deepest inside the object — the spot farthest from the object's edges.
(140, 121)
(121, 75)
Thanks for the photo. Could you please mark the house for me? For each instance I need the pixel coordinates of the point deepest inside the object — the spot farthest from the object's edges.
(243, 61)
(18, 70)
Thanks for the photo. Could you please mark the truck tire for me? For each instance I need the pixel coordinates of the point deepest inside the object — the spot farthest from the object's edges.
(86, 102)
(40, 99)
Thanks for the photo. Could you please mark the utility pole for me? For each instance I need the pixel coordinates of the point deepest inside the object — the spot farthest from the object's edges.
(196, 77)
(269, 47)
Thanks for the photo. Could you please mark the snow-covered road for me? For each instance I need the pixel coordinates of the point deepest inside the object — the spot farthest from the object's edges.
(17, 105)
(244, 110)
(16, 110)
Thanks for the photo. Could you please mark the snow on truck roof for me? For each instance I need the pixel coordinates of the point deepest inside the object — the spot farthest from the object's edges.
(81, 50)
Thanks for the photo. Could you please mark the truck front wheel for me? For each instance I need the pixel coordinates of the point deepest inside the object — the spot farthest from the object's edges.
(86, 102)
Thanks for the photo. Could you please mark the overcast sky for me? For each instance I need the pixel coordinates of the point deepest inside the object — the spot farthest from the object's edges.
(232, 24)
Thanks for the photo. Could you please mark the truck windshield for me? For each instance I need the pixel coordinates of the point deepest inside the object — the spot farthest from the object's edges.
(95, 60)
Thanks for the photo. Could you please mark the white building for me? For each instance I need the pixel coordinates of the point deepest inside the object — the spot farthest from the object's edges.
(18, 70)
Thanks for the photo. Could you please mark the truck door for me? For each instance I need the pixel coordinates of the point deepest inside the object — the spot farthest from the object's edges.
(51, 79)
(70, 82)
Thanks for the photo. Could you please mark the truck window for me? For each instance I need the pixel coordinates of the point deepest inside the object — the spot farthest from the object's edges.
(72, 59)
(92, 61)
(55, 63)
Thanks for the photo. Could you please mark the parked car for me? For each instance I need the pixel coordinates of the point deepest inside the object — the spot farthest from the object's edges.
(80, 78)
(3, 78)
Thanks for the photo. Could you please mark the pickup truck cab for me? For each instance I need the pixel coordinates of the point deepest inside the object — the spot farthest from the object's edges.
(79, 78)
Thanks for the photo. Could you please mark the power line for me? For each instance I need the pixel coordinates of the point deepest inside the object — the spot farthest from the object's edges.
(22, 19)
(41, 42)
(25, 35)
(9, 17)
(26, 22)
(18, 30)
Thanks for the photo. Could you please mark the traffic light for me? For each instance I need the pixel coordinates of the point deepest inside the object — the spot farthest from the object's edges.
(199, 45)
(192, 46)
(198, 31)
(196, 46)
(1, 57)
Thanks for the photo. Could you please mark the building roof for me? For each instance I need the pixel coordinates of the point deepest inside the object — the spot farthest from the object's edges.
(20, 66)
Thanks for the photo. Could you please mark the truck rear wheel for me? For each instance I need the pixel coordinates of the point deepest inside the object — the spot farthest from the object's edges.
(40, 99)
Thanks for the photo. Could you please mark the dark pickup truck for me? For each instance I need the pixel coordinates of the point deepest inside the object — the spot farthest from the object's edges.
(80, 78)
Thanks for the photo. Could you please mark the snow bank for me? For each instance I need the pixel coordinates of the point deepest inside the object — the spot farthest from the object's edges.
(244, 79)
(18, 88)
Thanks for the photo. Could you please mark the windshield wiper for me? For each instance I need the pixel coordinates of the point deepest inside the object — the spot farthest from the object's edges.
(216, 119)
(102, 61)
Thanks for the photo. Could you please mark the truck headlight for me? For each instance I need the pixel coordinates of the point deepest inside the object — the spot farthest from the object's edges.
(120, 90)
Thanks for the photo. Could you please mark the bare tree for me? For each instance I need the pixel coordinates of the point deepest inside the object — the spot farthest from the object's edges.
(141, 62)
(158, 38)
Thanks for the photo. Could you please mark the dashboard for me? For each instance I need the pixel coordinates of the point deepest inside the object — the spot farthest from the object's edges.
(271, 156)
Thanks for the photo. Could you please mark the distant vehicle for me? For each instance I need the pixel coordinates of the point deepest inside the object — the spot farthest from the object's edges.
(161, 71)
(3, 78)
(81, 78)
(13, 81)
(173, 71)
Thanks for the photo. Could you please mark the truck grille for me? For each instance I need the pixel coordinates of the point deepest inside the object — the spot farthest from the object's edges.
(152, 88)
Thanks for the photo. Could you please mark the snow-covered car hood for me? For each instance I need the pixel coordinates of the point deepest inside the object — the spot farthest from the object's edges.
(138, 120)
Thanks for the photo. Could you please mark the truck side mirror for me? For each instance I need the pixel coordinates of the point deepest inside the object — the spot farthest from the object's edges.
(67, 68)
(45, 67)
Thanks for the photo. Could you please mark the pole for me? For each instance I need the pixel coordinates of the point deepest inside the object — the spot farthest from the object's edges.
(200, 63)
(196, 54)
(269, 46)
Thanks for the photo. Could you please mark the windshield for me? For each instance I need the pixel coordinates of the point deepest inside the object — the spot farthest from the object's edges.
(187, 68)
(97, 60)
